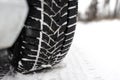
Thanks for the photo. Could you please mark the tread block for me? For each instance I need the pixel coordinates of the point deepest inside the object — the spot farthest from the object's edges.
(34, 12)
(32, 23)
(36, 3)
(32, 33)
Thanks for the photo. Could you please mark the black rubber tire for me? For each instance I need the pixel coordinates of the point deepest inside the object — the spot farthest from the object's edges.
(4, 63)
(46, 36)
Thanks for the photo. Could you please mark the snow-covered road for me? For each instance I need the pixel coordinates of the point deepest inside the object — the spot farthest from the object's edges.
(98, 44)
(94, 55)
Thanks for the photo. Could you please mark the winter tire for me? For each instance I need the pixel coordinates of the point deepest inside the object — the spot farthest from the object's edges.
(47, 35)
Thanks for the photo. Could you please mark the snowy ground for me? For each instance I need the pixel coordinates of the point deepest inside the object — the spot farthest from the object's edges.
(98, 45)
(94, 55)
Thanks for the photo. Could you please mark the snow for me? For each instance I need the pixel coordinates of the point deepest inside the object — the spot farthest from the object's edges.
(99, 48)
(94, 55)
